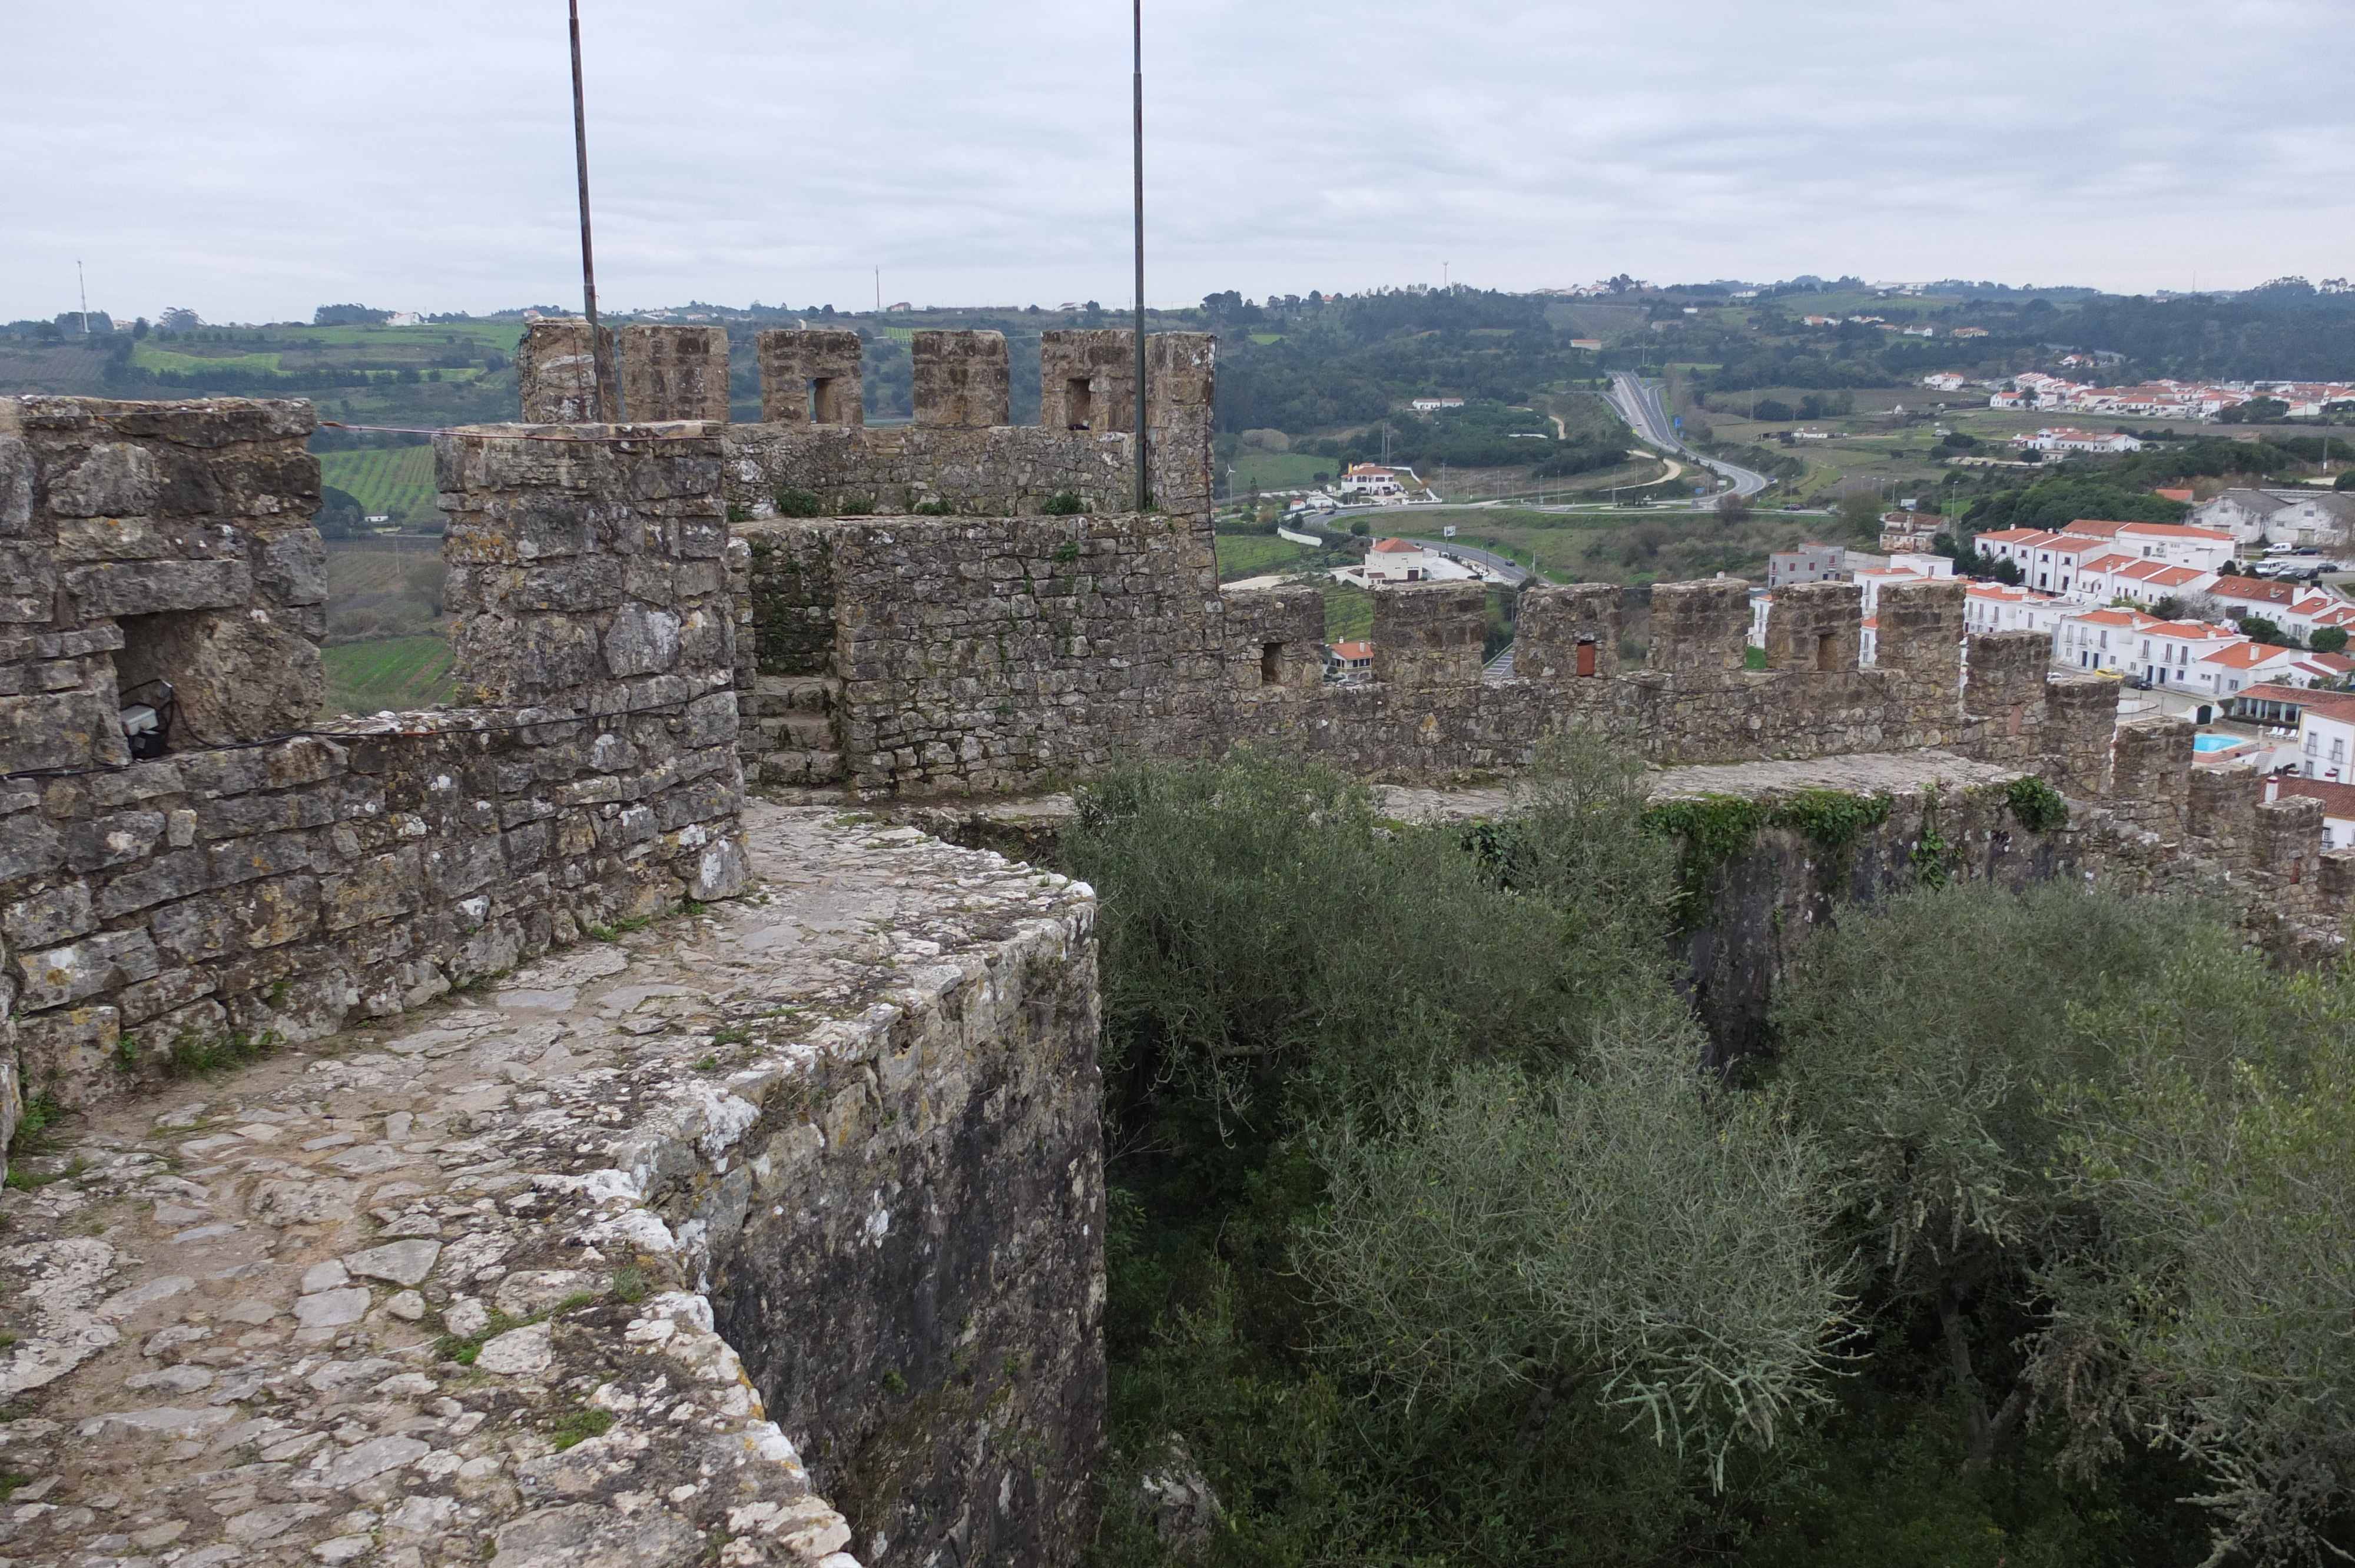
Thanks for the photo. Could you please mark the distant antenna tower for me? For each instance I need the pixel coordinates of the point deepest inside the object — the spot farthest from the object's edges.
(83, 284)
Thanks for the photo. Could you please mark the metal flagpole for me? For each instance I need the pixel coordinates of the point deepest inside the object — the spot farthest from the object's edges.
(1144, 480)
(609, 406)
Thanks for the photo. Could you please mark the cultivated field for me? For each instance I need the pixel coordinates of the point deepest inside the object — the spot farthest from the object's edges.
(397, 672)
(398, 481)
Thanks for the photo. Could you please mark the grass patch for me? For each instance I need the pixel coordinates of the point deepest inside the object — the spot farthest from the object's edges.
(1251, 555)
(581, 1425)
(1277, 471)
(630, 1285)
(398, 673)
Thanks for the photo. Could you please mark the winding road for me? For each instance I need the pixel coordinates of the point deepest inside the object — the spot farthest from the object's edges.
(1639, 402)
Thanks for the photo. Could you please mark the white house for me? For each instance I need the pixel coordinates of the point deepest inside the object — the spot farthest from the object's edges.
(2099, 639)
(2146, 582)
(2069, 439)
(2179, 544)
(1397, 561)
(2326, 731)
(2046, 561)
(2321, 518)
(1370, 483)
(1432, 405)
(2175, 653)
(1999, 607)
(1945, 381)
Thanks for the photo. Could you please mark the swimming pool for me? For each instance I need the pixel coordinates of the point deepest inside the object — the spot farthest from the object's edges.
(2218, 742)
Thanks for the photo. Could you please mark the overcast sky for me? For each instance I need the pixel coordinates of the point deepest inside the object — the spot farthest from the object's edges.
(250, 159)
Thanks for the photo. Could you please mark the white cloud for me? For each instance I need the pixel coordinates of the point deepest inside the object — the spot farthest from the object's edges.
(252, 159)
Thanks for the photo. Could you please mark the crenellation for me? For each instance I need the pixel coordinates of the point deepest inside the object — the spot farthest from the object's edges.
(1429, 634)
(1700, 629)
(556, 371)
(672, 373)
(1087, 379)
(963, 379)
(270, 874)
(2220, 808)
(1815, 626)
(1566, 631)
(811, 376)
(2081, 714)
(1276, 639)
(2150, 777)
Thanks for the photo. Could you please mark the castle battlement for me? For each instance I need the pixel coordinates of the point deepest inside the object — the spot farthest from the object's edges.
(961, 450)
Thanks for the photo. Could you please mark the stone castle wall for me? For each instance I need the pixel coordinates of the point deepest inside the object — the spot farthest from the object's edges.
(272, 875)
(984, 656)
(961, 451)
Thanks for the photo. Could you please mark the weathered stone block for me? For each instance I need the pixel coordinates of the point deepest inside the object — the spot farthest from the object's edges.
(146, 587)
(114, 478)
(47, 916)
(177, 875)
(102, 962)
(380, 888)
(112, 840)
(262, 915)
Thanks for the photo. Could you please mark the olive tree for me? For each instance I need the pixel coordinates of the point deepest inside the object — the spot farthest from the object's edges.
(1621, 1232)
(1917, 1041)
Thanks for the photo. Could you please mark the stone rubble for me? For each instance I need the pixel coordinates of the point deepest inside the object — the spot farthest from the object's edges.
(401, 1297)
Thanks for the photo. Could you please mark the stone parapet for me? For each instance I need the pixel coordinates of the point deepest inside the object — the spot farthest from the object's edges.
(556, 372)
(156, 542)
(671, 372)
(1815, 626)
(1567, 631)
(765, 1238)
(1429, 634)
(811, 376)
(962, 379)
(583, 557)
(269, 876)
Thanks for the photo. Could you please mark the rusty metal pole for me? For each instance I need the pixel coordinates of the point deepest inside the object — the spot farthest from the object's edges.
(610, 408)
(1144, 479)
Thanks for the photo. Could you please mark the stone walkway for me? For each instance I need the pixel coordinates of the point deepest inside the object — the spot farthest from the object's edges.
(402, 1296)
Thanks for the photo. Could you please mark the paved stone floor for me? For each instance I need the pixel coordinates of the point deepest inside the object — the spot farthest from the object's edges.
(397, 1298)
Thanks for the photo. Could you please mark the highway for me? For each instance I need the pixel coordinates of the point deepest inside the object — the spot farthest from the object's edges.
(1639, 402)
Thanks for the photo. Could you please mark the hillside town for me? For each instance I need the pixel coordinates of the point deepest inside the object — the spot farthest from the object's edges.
(2190, 401)
(2172, 609)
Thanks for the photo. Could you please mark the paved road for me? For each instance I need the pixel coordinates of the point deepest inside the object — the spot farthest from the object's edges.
(1639, 402)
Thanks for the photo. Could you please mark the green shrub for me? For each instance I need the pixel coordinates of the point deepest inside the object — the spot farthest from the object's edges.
(799, 503)
(1063, 504)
